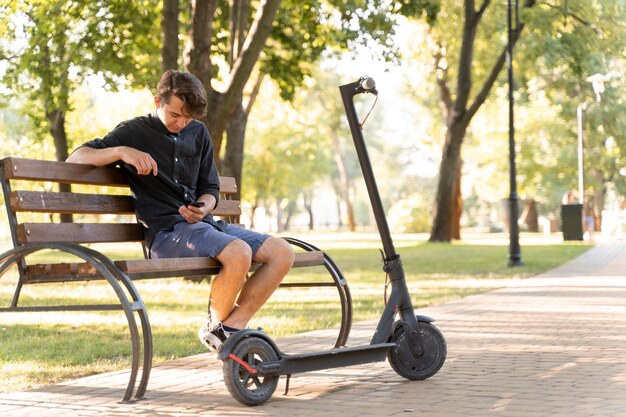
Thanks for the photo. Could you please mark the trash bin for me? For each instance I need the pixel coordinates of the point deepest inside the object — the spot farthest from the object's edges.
(572, 221)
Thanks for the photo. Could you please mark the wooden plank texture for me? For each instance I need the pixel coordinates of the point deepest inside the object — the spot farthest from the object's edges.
(77, 203)
(79, 232)
(71, 173)
(160, 267)
(65, 172)
(51, 202)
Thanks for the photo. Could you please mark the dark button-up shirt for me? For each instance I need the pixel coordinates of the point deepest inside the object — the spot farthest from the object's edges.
(185, 169)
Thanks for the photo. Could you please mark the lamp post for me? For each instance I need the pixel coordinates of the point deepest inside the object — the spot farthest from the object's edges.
(581, 176)
(515, 253)
(597, 82)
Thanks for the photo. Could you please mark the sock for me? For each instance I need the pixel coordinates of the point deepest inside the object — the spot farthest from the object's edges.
(229, 329)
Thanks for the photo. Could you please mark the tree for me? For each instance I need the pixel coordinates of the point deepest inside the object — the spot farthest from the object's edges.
(468, 67)
(51, 46)
(275, 38)
(332, 120)
(286, 156)
(170, 30)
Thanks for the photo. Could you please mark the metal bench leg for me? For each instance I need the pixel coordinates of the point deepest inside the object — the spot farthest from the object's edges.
(342, 288)
(113, 275)
(136, 306)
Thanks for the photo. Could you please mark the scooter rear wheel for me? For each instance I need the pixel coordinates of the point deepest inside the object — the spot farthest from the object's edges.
(245, 386)
(420, 367)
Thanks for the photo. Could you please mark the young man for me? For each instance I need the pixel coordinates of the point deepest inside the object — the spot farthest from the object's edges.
(168, 159)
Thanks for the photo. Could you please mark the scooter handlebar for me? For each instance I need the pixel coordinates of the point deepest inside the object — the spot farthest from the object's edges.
(367, 85)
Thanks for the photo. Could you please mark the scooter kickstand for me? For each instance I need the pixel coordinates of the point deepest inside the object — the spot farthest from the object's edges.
(287, 384)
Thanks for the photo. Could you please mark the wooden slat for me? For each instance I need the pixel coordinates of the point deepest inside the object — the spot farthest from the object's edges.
(51, 202)
(168, 267)
(228, 185)
(37, 170)
(171, 264)
(166, 264)
(67, 172)
(228, 208)
(312, 258)
(82, 268)
(79, 232)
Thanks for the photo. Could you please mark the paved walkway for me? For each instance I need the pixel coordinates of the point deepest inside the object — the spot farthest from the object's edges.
(553, 345)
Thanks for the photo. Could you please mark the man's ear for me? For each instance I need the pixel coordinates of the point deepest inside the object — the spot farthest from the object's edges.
(157, 101)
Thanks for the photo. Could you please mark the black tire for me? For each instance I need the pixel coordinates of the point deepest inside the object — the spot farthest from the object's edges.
(428, 363)
(244, 386)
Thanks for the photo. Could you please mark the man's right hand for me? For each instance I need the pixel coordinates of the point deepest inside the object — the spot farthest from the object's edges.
(142, 161)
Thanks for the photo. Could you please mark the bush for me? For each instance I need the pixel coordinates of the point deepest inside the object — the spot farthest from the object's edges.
(410, 215)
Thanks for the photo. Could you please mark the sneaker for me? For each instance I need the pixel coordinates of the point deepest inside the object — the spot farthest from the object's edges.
(213, 336)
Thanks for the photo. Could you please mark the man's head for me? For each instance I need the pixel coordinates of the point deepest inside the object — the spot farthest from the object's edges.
(180, 98)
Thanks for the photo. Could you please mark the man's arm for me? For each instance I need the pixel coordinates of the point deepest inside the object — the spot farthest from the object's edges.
(142, 161)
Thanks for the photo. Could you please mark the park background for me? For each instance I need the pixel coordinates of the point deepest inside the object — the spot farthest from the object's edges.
(72, 70)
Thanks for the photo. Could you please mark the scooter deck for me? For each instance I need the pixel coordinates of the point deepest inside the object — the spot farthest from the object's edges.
(334, 358)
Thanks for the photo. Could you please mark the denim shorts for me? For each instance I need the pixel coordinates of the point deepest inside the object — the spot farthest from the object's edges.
(201, 239)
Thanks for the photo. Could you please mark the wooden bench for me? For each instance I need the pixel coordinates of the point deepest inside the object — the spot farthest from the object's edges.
(22, 183)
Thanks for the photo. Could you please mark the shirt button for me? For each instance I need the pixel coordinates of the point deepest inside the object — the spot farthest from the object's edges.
(176, 159)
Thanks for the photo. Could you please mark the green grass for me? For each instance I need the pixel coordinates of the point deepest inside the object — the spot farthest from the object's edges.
(41, 348)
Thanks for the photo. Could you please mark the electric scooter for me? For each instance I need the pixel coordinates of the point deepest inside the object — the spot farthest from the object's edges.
(415, 348)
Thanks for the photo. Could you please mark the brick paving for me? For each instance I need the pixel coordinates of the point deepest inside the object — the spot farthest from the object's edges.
(553, 345)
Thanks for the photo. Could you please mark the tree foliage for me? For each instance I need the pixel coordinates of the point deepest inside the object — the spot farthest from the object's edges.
(557, 43)
(52, 46)
(231, 49)
(286, 156)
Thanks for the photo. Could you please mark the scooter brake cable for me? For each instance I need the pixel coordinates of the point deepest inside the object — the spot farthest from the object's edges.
(387, 282)
(368, 113)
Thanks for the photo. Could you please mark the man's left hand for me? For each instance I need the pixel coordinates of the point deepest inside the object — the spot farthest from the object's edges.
(193, 214)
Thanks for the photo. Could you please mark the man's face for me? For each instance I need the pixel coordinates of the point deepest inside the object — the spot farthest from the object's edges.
(172, 114)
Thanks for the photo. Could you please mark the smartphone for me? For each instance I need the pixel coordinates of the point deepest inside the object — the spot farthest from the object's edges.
(197, 204)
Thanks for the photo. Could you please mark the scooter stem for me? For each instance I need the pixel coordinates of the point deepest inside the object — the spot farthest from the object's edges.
(399, 300)
(348, 91)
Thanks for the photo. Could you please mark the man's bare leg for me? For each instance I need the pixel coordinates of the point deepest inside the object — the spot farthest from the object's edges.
(276, 256)
(235, 258)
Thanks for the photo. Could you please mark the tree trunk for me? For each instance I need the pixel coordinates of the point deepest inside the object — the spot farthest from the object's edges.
(279, 216)
(252, 214)
(223, 105)
(344, 180)
(232, 163)
(56, 122)
(197, 58)
(447, 199)
(308, 205)
(291, 208)
(457, 113)
(339, 201)
(169, 30)
(458, 204)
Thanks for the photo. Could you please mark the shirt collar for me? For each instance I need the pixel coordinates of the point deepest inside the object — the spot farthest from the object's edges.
(157, 123)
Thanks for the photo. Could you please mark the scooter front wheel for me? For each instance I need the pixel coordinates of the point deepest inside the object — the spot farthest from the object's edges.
(425, 365)
(240, 377)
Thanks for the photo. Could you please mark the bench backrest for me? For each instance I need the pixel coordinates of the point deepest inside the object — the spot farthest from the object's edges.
(114, 199)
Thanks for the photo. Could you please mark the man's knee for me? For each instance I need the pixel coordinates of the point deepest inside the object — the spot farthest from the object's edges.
(237, 254)
(276, 250)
